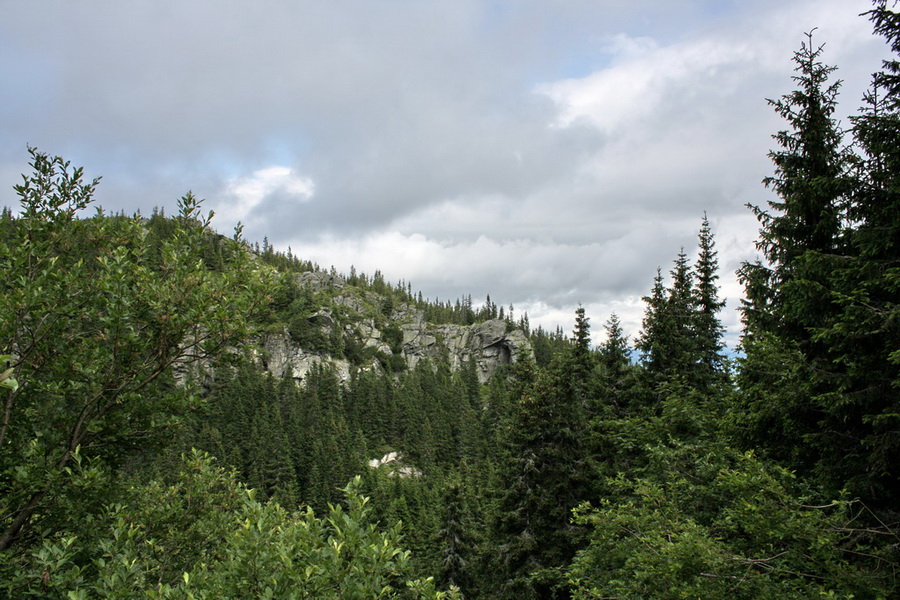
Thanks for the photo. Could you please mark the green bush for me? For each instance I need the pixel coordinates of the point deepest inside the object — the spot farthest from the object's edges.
(392, 335)
(307, 334)
(205, 537)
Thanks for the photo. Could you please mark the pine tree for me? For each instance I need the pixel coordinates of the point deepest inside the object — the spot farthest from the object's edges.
(708, 330)
(545, 475)
(818, 384)
(812, 186)
(656, 328)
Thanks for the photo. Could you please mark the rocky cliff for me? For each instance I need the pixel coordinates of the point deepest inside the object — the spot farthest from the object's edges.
(348, 313)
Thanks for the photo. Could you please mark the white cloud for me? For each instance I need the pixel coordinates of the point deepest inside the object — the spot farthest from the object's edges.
(644, 79)
(412, 139)
(242, 195)
(625, 95)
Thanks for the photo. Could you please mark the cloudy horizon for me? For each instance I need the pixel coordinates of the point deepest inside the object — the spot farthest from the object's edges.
(550, 154)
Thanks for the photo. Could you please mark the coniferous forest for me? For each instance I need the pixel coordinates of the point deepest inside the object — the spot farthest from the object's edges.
(146, 451)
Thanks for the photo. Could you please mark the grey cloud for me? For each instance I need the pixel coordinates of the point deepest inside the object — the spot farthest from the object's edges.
(419, 118)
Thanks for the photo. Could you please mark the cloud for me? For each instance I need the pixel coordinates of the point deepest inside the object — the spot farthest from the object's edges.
(242, 196)
(547, 153)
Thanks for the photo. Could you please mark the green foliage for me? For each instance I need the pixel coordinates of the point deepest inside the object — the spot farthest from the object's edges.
(581, 474)
(812, 183)
(206, 536)
(707, 325)
(669, 340)
(547, 345)
(748, 535)
(681, 514)
(307, 334)
(395, 363)
(456, 538)
(773, 411)
(544, 474)
(392, 335)
(619, 380)
(96, 328)
(414, 503)
(827, 299)
(681, 336)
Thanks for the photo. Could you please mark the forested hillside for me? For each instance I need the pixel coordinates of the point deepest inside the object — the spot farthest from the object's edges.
(190, 415)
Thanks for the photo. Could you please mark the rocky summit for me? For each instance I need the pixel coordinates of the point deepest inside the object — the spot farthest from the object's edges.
(337, 310)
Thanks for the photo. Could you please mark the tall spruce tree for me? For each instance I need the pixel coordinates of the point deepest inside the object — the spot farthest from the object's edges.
(581, 359)
(615, 355)
(858, 382)
(656, 327)
(887, 24)
(545, 476)
(681, 306)
(825, 305)
(456, 539)
(708, 330)
(614, 351)
(811, 184)
(667, 341)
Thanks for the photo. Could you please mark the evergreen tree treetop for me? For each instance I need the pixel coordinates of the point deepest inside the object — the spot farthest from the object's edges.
(810, 166)
(812, 186)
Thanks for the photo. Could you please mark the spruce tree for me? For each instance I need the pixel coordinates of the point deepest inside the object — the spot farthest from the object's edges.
(819, 381)
(581, 359)
(544, 476)
(858, 374)
(811, 186)
(656, 328)
(887, 24)
(708, 330)
(619, 378)
(667, 341)
(681, 349)
(784, 293)
(456, 540)
(614, 353)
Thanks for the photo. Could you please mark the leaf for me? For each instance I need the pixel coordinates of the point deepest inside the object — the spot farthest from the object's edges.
(7, 381)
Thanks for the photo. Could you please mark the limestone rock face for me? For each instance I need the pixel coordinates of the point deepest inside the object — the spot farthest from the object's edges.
(281, 357)
(394, 460)
(488, 344)
(367, 326)
(319, 280)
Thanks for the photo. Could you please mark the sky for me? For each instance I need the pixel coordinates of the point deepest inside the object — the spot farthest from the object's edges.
(548, 153)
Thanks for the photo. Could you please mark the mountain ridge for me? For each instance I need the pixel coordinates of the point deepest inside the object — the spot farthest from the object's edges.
(344, 326)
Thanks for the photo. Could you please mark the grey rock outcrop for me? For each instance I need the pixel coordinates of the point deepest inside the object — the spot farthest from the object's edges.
(369, 322)
(319, 280)
(281, 357)
(369, 335)
(394, 461)
(489, 345)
